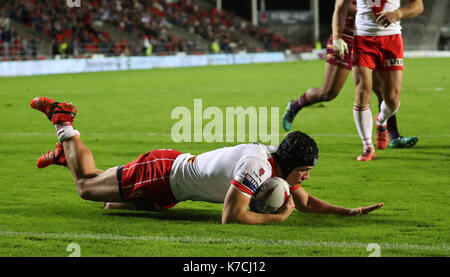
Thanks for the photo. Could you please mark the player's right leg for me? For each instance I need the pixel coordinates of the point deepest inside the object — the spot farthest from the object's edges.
(393, 139)
(90, 184)
(361, 110)
(382, 132)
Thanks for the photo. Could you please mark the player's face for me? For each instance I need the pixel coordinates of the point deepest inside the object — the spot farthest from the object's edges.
(299, 175)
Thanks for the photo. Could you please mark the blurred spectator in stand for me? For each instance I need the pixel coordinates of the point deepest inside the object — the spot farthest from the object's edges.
(147, 46)
(215, 46)
(62, 49)
(33, 47)
(6, 41)
(55, 49)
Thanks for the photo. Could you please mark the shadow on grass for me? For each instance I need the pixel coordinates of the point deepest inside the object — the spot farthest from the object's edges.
(431, 157)
(320, 220)
(296, 219)
(198, 215)
(428, 146)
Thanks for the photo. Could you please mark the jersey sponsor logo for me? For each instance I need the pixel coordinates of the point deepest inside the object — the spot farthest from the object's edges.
(393, 62)
(249, 182)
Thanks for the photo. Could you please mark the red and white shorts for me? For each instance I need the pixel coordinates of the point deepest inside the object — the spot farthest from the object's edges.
(147, 179)
(334, 58)
(384, 53)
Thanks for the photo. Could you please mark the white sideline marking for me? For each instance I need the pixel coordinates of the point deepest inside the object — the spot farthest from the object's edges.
(169, 134)
(259, 242)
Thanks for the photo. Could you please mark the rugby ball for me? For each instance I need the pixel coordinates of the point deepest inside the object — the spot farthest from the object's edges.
(270, 196)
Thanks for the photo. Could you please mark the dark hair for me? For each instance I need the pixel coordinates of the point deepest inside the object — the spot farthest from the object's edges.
(296, 149)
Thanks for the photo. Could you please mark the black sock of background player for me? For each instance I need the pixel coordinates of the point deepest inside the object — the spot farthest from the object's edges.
(392, 127)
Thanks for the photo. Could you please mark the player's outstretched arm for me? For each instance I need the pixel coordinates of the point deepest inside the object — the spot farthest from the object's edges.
(307, 203)
(235, 210)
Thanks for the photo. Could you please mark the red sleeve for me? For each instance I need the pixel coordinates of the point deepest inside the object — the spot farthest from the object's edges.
(241, 187)
(294, 187)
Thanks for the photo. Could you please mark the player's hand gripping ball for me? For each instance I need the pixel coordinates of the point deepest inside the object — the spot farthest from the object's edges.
(270, 196)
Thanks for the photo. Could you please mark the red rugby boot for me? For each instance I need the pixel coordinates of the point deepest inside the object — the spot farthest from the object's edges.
(56, 156)
(381, 136)
(58, 113)
(367, 155)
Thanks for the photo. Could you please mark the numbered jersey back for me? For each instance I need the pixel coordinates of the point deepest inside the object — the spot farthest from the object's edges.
(367, 13)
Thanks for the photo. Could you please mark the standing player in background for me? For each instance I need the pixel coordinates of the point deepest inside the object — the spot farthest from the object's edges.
(337, 68)
(378, 45)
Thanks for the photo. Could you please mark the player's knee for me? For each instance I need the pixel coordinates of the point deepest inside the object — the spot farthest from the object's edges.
(329, 95)
(362, 98)
(392, 100)
(364, 90)
(83, 190)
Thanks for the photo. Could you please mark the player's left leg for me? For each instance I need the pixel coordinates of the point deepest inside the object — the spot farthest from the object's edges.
(128, 205)
(333, 80)
(334, 77)
(56, 157)
(391, 72)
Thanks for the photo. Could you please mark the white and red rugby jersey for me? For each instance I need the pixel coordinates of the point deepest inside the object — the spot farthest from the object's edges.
(208, 176)
(366, 15)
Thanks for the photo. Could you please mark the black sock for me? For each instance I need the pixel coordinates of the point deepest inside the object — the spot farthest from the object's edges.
(392, 127)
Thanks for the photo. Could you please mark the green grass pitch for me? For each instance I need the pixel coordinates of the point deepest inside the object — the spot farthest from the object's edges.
(124, 114)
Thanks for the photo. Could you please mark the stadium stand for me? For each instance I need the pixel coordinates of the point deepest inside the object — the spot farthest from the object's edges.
(68, 29)
(444, 40)
(233, 33)
(32, 29)
(81, 31)
(129, 27)
(147, 20)
(14, 46)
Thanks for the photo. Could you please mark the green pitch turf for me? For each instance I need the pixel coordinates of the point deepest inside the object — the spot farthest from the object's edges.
(124, 114)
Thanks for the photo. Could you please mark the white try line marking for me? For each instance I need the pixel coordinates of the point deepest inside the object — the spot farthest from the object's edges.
(149, 134)
(209, 240)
